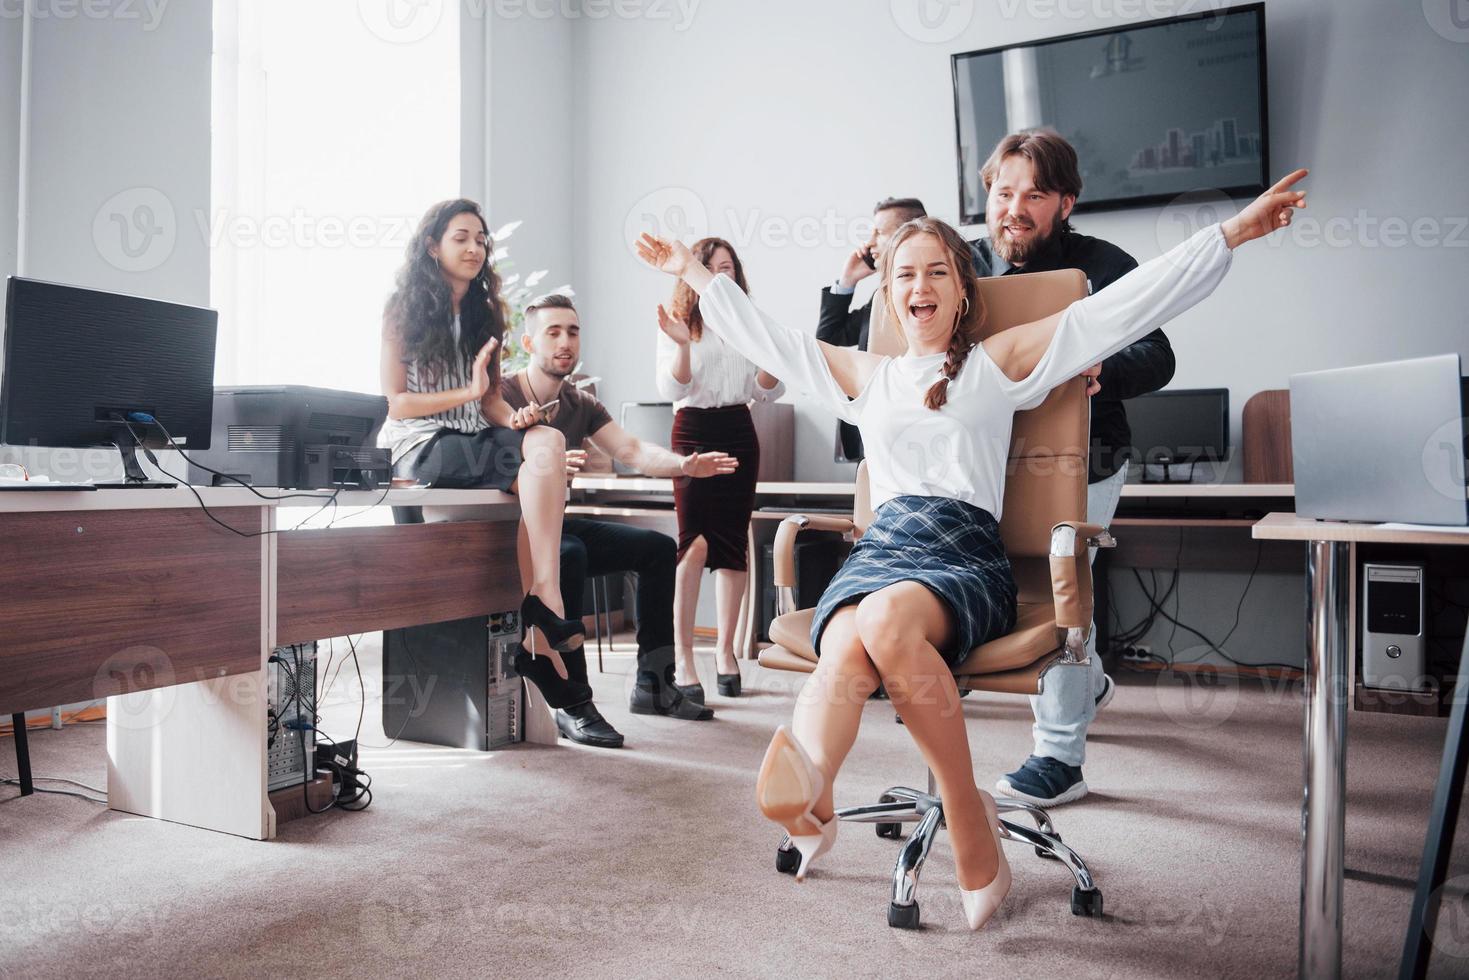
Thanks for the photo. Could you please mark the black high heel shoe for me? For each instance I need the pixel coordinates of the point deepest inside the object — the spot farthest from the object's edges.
(559, 692)
(729, 684)
(563, 634)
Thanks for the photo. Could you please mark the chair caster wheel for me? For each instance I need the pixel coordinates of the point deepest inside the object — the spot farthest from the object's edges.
(786, 862)
(1086, 903)
(892, 831)
(903, 916)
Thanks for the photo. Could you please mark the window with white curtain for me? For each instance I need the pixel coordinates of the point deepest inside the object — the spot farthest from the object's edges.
(332, 136)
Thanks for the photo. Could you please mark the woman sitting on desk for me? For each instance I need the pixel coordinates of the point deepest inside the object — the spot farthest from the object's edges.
(448, 426)
(711, 386)
(929, 579)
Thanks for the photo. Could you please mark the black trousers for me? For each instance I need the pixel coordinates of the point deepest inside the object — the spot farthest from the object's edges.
(603, 548)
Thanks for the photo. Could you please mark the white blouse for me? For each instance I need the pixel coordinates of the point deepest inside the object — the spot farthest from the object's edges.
(959, 451)
(719, 375)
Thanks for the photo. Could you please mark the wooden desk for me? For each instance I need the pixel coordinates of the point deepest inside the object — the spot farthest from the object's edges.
(1329, 585)
(137, 596)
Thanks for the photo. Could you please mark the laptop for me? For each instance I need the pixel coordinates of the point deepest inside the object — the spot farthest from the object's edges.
(1381, 442)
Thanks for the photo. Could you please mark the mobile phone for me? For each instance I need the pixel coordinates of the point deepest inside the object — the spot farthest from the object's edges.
(867, 257)
(545, 409)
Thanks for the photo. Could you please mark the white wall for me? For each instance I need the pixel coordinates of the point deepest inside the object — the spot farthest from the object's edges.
(527, 160)
(774, 112)
(118, 161)
(11, 29)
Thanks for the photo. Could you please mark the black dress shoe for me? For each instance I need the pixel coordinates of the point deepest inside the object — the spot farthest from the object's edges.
(561, 633)
(666, 699)
(558, 691)
(729, 684)
(694, 692)
(584, 724)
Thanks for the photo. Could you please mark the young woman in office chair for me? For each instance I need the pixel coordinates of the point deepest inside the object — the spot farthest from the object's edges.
(929, 579)
(448, 426)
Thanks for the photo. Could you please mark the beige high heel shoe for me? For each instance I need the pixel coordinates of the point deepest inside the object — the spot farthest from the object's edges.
(787, 789)
(982, 903)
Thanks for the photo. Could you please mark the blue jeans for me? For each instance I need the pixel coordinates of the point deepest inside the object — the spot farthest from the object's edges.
(1066, 708)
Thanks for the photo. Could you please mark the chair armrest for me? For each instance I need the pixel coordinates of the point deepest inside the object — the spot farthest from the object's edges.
(1071, 579)
(1081, 537)
(785, 541)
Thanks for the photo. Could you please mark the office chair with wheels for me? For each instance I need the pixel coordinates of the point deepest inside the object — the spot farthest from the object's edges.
(1046, 537)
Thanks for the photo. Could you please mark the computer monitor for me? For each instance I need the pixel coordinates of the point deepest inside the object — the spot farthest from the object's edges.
(649, 421)
(1181, 426)
(88, 368)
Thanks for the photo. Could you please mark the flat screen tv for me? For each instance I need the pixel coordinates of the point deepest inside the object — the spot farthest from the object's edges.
(1155, 109)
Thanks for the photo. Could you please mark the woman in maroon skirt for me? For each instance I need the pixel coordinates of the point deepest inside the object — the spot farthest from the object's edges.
(711, 386)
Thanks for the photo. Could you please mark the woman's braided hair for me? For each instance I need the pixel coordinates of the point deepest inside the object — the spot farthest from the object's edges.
(971, 314)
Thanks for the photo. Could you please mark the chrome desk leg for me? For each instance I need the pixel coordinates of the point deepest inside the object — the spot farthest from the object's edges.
(1323, 813)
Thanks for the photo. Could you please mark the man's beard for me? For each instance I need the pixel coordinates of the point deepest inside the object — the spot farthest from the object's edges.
(1019, 253)
(550, 368)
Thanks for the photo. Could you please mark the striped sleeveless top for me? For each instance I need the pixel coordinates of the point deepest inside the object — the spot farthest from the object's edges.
(402, 436)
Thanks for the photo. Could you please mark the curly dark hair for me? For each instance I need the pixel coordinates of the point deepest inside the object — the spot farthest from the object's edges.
(421, 310)
(686, 302)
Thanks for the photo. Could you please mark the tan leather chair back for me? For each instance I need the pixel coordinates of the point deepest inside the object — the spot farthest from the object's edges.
(1046, 476)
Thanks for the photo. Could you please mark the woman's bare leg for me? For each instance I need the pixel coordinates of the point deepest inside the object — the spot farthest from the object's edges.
(901, 627)
(685, 610)
(541, 487)
(729, 592)
(829, 707)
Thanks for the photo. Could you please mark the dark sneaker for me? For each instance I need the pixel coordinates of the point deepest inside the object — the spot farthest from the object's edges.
(584, 724)
(1108, 689)
(1044, 782)
(665, 699)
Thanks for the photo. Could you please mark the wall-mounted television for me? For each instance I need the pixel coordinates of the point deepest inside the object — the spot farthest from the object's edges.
(1155, 109)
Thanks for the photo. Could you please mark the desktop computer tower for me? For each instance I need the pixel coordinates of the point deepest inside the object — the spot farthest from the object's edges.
(454, 683)
(1394, 649)
(290, 736)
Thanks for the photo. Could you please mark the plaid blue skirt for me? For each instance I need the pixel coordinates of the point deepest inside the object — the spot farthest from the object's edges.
(951, 548)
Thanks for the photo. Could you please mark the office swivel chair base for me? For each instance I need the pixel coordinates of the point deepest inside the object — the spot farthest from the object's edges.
(901, 804)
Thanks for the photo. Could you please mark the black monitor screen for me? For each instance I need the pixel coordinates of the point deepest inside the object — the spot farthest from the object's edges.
(1184, 426)
(1154, 109)
(79, 360)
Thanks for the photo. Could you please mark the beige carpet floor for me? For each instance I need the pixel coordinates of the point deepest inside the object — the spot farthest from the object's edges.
(653, 861)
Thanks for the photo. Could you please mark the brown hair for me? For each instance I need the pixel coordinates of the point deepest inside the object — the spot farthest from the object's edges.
(908, 207)
(970, 320)
(1054, 160)
(686, 302)
(550, 301)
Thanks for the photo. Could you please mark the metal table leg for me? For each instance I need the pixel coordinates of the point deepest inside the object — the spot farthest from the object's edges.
(23, 754)
(1323, 812)
(1438, 844)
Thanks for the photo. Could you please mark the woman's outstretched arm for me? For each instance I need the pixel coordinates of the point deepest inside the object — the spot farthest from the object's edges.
(829, 375)
(1038, 356)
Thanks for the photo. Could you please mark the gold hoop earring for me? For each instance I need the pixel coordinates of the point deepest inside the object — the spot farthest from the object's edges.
(966, 307)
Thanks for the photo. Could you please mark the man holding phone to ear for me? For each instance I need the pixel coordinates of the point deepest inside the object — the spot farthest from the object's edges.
(840, 324)
(553, 339)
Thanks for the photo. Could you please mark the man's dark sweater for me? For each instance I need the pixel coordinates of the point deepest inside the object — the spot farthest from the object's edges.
(1144, 366)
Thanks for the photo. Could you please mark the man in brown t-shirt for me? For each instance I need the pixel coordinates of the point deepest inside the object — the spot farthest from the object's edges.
(553, 339)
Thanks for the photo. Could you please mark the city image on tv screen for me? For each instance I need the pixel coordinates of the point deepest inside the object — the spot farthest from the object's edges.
(1155, 110)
